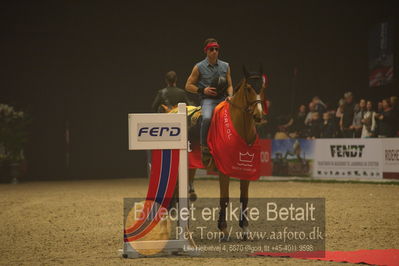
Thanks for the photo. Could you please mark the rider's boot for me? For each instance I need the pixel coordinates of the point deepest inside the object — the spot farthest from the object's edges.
(206, 156)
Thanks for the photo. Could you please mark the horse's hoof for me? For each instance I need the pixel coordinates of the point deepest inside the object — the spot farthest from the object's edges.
(223, 236)
(223, 239)
(245, 234)
(222, 225)
(243, 223)
(193, 196)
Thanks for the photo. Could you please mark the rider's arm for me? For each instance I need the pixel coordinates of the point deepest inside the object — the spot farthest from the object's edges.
(192, 87)
(192, 81)
(230, 87)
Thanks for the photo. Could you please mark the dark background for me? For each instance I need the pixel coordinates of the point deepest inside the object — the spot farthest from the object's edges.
(90, 63)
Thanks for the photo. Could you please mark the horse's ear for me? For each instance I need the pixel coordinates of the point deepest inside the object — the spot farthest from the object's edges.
(246, 73)
(239, 85)
(260, 69)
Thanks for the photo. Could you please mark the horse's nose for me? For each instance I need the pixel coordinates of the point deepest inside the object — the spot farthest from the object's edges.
(257, 118)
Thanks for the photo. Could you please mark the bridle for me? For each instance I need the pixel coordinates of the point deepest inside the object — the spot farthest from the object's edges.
(254, 82)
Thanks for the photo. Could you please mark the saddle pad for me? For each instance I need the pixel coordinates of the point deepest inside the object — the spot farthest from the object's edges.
(232, 155)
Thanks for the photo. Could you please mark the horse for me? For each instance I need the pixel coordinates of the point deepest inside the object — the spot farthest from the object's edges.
(246, 110)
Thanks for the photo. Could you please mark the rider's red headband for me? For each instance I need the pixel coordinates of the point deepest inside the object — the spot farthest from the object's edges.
(211, 44)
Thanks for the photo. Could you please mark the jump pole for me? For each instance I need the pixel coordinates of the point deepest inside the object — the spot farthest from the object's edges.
(142, 138)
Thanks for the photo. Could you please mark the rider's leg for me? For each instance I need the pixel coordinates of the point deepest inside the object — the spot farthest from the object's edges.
(207, 106)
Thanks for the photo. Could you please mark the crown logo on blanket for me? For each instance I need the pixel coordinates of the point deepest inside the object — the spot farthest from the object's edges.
(246, 157)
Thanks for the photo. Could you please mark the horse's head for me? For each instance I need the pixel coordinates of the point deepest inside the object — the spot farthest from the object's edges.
(254, 85)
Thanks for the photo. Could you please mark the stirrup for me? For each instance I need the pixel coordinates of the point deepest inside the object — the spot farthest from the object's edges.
(206, 157)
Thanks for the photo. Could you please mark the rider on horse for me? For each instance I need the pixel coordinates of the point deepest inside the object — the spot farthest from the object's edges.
(211, 79)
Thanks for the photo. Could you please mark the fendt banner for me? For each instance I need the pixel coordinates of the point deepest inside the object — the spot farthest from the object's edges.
(348, 158)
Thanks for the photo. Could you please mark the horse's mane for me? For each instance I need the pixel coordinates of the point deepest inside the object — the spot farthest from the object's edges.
(239, 93)
(239, 85)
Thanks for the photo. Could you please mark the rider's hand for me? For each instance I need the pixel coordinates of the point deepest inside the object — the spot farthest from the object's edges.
(210, 91)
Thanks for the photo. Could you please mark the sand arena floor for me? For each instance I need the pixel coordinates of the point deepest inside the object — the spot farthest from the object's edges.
(81, 222)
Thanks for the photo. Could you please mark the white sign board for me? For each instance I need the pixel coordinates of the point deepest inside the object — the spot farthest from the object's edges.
(158, 131)
(391, 157)
(162, 131)
(348, 158)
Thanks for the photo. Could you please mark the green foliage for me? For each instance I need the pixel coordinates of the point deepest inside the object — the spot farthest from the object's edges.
(13, 133)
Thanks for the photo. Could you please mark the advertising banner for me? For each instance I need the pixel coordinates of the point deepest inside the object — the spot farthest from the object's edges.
(293, 157)
(158, 131)
(265, 157)
(348, 158)
(391, 158)
(381, 56)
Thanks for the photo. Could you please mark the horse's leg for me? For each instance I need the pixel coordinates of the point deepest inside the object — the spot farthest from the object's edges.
(224, 201)
(175, 197)
(191, 191)
(243, 223)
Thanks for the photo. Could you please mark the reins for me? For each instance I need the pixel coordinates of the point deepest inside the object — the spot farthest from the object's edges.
(246, 109)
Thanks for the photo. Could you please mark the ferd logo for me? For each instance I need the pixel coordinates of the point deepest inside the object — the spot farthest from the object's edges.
(347, 151)
(158, 131)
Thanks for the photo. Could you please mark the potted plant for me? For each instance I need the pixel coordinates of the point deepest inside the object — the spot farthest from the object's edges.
(13, 136)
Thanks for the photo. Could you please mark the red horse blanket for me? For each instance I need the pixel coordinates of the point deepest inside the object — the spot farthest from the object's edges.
(232, 155)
